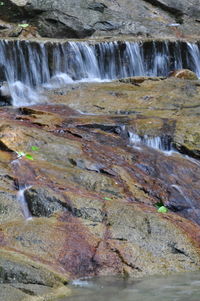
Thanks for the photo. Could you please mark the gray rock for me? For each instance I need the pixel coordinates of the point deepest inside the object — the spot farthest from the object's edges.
(83, 18)
(20, 272)
(55, 24)
(10, 293)
(190, 8)
(5, 97)
(44, 202)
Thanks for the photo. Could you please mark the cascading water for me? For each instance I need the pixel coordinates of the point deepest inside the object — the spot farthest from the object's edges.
(22, 187)
(29, 66)
(23, 204)
(117, 60)
(159, 143)
(194, 57)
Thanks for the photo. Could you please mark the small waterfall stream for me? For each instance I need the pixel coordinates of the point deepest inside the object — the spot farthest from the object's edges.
(193, 58)
(163, 144)
(23, 204)
(22, 186)
(28, 66)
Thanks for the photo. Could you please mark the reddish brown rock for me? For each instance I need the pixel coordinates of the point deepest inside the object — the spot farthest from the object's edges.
(92, 191)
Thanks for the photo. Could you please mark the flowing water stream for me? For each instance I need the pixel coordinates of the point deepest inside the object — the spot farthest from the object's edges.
(28, 67)
(23, 204)
(163, 143)
(180, 287)
(22, 187)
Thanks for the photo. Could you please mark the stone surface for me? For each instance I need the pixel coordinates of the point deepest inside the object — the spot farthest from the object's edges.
(10, 293)
(171, 105)
(185, 74)
(190, 8)
(92, 191)
(79, 19)
(31, 292)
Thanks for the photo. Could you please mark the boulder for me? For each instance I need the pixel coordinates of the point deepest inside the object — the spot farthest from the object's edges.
(57, 24)
(5, 97)
(184, 74)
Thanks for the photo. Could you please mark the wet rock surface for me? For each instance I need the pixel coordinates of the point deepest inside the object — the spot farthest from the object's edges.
(92, 163)
(92, 181)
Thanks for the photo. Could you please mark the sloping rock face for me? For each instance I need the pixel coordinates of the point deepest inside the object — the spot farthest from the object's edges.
(190, 8)
(79, 19)
(92, 191)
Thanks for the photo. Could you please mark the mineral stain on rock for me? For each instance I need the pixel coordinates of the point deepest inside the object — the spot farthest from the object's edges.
(92, 193)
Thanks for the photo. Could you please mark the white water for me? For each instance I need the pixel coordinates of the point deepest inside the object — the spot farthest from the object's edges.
(81, 283)
(194, 57)
(21, 189)
(29, 66)
(23, 204)
(163, 144)
(58, 80)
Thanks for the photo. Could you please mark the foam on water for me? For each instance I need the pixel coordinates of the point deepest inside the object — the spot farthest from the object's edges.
(81, 283)
(21, 92)
(57, 81)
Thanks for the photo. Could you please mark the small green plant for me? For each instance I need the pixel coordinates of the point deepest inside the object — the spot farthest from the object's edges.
(161, 207)
(35, 148)
(2, 3)
(22, 154)
(28, 156)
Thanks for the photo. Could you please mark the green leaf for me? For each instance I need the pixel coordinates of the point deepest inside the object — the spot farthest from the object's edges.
(28, 156)
(163, 209)
(35, 148)
(1, 3)
(23, 25)
(107, 199)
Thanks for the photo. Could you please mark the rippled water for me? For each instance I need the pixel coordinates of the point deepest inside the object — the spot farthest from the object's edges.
(180, 287)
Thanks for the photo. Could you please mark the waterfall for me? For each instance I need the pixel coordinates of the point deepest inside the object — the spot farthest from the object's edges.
(23, 204)
(194, 57)
(28, 67)
(159, 143)
(22, 186)
(117, 60)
